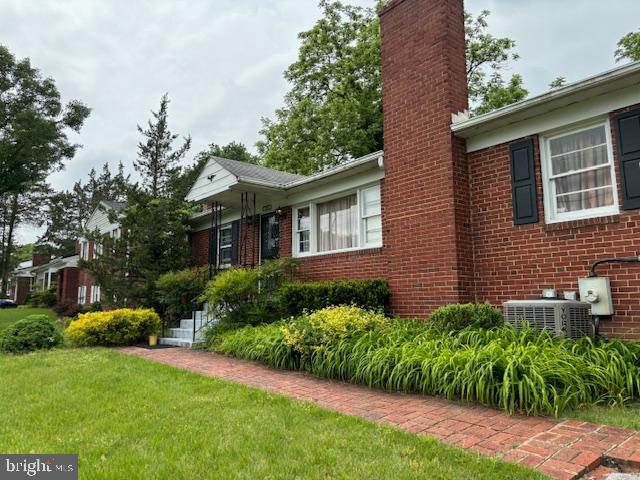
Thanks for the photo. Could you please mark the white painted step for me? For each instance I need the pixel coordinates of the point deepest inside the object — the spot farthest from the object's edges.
(177, 342)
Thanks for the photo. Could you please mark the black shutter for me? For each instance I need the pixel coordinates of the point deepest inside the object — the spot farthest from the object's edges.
(523, 182)
(213, 247)
(235, 244)
(628, 132)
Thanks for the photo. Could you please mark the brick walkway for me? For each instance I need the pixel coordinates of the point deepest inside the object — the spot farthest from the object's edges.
(563, 449)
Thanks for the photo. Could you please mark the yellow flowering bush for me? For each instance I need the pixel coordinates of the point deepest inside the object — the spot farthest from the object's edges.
(124, 326)
(311, 331)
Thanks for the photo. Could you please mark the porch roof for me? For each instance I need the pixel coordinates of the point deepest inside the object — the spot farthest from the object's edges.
(222, 179)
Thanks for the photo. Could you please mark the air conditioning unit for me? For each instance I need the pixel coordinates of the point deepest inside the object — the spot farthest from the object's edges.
(566, 318)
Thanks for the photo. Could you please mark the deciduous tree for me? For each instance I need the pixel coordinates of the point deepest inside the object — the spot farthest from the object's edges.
(34, 125)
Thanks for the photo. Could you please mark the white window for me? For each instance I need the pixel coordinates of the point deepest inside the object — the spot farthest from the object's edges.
(115, 234)
(225, 246)
(82, 295)
(303, 230)
(343, 223)
(97, 250)
(84, 250)
(371, 216)
(95, 293)
(579, 175)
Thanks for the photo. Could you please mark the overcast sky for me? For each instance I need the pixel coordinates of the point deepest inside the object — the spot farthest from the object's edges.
(221, 61)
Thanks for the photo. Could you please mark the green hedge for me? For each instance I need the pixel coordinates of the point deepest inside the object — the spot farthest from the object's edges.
(311, 296)
(456, 317)
(34, 332)
(516, 370)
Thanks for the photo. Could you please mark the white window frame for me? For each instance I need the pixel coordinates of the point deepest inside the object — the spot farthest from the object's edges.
(82, 295)
(220, 246)
(297, 231)
(549, 190)
(95, 293)
(84, 250)
(313, 235)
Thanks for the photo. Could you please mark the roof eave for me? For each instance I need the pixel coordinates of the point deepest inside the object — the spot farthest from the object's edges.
(474, 125)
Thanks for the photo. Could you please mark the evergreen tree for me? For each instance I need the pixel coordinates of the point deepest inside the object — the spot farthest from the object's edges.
(157, 159)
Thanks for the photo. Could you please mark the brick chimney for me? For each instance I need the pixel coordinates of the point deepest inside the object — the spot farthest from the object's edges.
(40, 259)
(425, 191)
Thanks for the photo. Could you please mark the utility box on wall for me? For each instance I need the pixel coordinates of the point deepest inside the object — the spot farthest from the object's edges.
(597, 291)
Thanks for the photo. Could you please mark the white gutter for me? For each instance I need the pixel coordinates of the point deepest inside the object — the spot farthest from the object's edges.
(588, 83)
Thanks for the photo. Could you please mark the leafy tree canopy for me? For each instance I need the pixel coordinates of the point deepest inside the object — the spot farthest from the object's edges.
(333, 111)
(628, 47)
(34, 125)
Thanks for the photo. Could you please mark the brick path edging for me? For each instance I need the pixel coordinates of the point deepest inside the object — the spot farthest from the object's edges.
(564, 449)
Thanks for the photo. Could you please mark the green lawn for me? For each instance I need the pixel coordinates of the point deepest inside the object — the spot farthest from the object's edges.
(131, 418)
(628, 417)
(12, 315)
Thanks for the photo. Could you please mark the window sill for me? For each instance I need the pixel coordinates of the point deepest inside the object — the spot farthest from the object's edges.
(341, 253)
(584, 222)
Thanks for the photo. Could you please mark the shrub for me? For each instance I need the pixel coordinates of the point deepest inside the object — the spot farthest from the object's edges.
(460, 316)
(67, 308)
(175, 291)
(34, 332)
(42, 298)
(367, 294)
(312, 331)
(116, 327)
(517, 370)
(248, 295)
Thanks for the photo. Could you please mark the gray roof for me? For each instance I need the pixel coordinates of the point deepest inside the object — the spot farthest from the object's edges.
(249, 171)
(117, 206)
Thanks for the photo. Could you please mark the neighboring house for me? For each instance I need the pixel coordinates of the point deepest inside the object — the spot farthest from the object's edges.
(43, 272)
(73, 284)
(88, 291)
(494, 207)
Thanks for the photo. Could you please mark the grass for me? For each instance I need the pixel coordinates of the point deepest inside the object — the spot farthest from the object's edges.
(627, 417)
(130, 418)
(9, 316)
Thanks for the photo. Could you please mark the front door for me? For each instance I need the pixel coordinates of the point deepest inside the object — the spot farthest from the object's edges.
(269, 237)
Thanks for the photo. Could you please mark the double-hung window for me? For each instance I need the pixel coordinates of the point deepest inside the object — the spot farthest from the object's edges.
(303, 230)
(225, 246)
(84, 250)
(579, 174)
(82, 295)
(95, 293)
(346, 222)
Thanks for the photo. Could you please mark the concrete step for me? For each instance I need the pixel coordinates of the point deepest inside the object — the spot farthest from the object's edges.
(188, 323)
(177, 342)
(184, 333)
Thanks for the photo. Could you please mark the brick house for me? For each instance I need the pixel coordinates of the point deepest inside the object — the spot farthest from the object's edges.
(457, 209)
(88, 291)
(43, 272)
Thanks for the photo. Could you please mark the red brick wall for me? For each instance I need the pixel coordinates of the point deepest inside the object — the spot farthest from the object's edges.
(199, 242)
(425, 192)
(513, 262)
(22, 285)
(68, 284)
